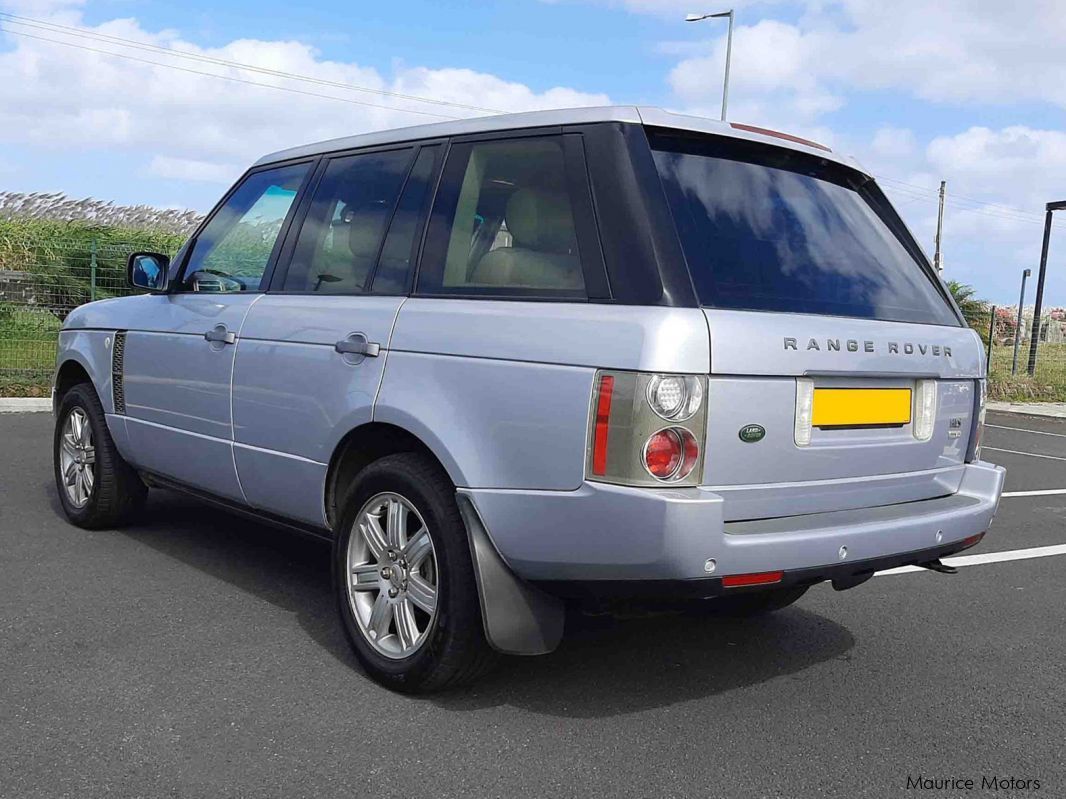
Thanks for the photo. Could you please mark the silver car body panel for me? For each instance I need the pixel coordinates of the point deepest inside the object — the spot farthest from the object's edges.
(645, 115)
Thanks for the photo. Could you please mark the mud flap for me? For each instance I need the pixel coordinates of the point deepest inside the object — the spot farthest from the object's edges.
(519, 619)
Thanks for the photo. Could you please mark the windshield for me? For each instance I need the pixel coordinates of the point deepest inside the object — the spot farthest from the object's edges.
(770, 229)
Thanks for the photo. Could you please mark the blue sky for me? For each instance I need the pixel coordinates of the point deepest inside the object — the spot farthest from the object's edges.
(916, 91)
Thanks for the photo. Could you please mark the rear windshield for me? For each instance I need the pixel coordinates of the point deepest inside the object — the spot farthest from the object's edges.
(769, 229)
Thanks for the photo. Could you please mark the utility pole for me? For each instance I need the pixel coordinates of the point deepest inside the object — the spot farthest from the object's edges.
(1034, 336)
(1018, 325)
(938, 257)
(728, 50)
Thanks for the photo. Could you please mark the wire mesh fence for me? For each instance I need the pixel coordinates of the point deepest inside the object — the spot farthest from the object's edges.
(1009, 345)
(42, 279)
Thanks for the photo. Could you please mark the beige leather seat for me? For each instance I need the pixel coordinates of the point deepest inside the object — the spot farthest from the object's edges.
(544, 254)
(346, 269)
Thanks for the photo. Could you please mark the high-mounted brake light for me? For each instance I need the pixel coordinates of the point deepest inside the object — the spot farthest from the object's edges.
(779, 135)
(602, 422)
(755, 578)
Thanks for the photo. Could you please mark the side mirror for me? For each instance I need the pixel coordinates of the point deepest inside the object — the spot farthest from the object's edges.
(148, 270)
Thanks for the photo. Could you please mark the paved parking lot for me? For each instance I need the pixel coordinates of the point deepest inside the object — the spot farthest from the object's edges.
(197, 654)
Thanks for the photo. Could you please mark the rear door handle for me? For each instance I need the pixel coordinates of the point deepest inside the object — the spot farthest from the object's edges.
(357, 344)
(220, 335)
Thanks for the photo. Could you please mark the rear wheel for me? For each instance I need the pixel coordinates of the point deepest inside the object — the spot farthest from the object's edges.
(404, 578)
(97, 488)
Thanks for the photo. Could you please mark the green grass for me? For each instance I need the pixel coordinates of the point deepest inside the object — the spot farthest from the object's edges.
(27, 351)
(1047, 385)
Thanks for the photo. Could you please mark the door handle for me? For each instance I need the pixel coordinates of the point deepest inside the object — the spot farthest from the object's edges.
(220, 335)
(358, 345)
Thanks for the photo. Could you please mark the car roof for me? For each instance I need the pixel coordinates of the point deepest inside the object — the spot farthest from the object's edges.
(638, 115)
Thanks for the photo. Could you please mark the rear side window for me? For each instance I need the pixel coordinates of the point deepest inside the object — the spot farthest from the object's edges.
(504, 223)
(769, 229)
(338, 244)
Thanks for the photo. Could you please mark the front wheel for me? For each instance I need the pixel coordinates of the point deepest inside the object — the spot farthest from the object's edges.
(97, 488)
(404, 578)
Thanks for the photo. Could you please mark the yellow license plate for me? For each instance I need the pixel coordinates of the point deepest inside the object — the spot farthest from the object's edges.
(858, 407)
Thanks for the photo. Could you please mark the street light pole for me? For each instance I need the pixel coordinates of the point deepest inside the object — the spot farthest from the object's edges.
(1035, 335)
(728, 50)
(1018, 325)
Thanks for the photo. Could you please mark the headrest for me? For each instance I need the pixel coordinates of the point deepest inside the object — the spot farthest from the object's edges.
(364, 229)
(541, 220)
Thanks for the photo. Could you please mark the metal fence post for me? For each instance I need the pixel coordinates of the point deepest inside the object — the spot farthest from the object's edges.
(92, 269)
(991, 342)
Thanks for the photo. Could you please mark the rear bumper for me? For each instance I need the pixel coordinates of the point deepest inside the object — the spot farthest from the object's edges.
(629, 536)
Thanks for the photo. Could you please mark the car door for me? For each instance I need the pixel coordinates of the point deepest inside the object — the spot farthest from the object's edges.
(178, 363)
(313, 350)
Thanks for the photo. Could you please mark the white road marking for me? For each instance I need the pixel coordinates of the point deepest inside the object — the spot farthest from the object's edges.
(1023, 430)
(1030, 454)
(1047, 492)
(990, 557)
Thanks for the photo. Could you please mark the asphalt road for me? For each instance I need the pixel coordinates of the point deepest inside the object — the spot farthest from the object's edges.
(197, 654)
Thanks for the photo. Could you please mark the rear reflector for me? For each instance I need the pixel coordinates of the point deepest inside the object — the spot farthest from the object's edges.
(973, 540)
(779, 135)
(756, 578)
(603, 417)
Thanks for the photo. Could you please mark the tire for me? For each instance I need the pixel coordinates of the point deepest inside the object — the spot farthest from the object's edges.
(109, 491)
(753, 604)
(406, 647)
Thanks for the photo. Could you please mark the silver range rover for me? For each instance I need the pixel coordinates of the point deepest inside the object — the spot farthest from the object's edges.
(505, 363)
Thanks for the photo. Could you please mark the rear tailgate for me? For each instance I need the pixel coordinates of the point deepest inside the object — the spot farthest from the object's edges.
(862, 451)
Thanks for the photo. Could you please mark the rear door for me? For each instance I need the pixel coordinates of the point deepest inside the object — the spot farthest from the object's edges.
(841, 375)
(313, 350)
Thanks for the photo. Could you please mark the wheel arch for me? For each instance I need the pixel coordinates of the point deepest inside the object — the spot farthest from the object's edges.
(70, 372)
(362, 446)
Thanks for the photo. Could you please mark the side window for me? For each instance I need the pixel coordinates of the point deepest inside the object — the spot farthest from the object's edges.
(401, 243)
(504, 223)
(233, 250)
(339, 241)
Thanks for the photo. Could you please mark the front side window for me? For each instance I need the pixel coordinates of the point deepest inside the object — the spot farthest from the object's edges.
(233, 250)
(339, 242)
(770, 229)
(504, 223)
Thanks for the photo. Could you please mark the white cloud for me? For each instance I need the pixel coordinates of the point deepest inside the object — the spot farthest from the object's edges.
(165, 166)
(194, 127)
(891, 142)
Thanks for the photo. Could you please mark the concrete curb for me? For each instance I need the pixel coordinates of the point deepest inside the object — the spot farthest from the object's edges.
(1055, 410)
(25, 404)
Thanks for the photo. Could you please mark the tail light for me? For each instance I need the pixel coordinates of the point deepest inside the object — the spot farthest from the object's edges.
(924, 416)
(647, 429)
(973, 452)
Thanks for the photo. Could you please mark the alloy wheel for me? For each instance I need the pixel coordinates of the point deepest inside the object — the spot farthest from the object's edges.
(77, 458)
(392, 575)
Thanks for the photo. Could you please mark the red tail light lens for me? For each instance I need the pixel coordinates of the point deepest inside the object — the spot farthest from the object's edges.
(671, 454)
(603, 418)
(663, 454)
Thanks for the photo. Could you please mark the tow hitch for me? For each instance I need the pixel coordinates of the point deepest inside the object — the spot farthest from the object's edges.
(937, 566)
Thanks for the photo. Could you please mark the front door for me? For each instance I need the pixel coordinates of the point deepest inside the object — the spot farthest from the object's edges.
(178, 363)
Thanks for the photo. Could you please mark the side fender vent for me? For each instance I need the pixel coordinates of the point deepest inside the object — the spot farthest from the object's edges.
(118, 353)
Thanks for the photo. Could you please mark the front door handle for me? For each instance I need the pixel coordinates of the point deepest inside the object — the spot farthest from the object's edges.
(357, 344)
(220, 335)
